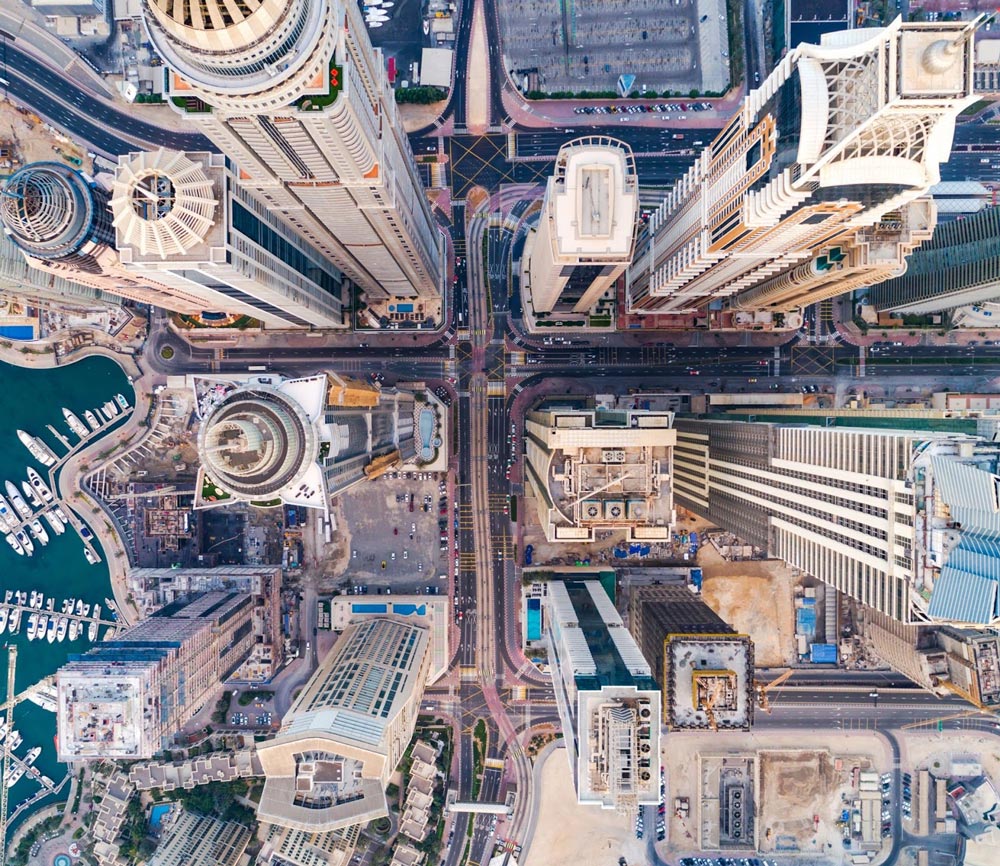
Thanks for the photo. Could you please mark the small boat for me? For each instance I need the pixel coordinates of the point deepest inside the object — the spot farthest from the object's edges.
(62, 628)
(7, 597)
(50, 632)
(15, 740)
(58, 527)
(14, 625)
(61, 514)
(18, 501)
(110, 411)
(75, 424)
(36, 448)
(67, 605)
(388, 5)
(39, 485)
(7, 516)
(32, 626)
(122, 401)
(92, 632)
(3, 730)
(78, 609)
(91, 557)
(29, 548)
(30, 495)
(38, 531)
(110, 604)
(427, 27)
(374, 25)
(4, 613)
(43, 622)
(50, 604)
(74, 629)
(109, 634)
(91, 419)
(34, 598)
(14, 776)
(22, 597)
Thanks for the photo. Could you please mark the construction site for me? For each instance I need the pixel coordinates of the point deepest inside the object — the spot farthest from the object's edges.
(709, 682)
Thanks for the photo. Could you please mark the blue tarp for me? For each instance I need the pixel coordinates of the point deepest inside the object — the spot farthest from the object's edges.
(823, 654)
(805, 621)
(620, 554)
(696, 577)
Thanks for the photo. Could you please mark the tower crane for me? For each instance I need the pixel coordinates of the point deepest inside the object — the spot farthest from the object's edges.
(763, 688)
(9, 704)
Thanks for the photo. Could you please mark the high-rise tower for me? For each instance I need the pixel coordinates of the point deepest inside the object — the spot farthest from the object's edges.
(294, 94)
(819, 184)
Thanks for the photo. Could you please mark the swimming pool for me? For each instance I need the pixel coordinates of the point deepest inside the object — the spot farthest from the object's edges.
(534, 619)
(156, 815)
(17, 332)
(62, 860)
(427, 424)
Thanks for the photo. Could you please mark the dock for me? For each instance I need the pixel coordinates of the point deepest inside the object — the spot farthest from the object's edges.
(66, 443)
(27, 611)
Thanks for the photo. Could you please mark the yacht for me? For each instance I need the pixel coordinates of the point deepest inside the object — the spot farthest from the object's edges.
(110, 605)
(19, 769)
(32, 626)
(92, 632)
(14, 625)
(61, 514)
(79, 608)
(18, 501)
(67, 605)
(22, 537)
(43, 622)
(112, 407)
(58, 527)
(90, 556)
(37, 448)
(13, 542)
(30, 495)
(86, 610)
(61, 629)
(44, 695)
(74, 629)
(50, 604)
(91, 419)
(75, 424)
(122, 401)
(15, 740)
(7, 516)
(38, 483)
(39, 532)
(34, 598)
(22, 597)
(3, 730)
(50, 632)
(4, 613)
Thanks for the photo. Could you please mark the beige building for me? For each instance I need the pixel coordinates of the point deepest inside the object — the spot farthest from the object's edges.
(820, 183)
(198, 840)
(594, 470)
(586, 232)
(293, 92)
(285, 846)
(126, 698)
(346, 732)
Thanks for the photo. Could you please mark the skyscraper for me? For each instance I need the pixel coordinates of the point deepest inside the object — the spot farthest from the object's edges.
(294, 94)
(586, 232)
(900, 519)
(819, 185)
(127, 697)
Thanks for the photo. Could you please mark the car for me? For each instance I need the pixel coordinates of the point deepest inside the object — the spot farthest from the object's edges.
(395, 530)
(392, 555)
(383, 564)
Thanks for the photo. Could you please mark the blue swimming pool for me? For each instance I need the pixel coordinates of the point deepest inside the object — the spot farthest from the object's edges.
(427, 441)
(534, 619)
(17, 332)
(410, 609)
(156, 815)
(368, 608)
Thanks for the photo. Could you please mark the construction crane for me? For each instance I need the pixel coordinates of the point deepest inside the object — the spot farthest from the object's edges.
(980, 707)
(763, 688)
(9, 704)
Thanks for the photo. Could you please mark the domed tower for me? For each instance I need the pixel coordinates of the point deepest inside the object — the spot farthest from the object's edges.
(294, 94)
(53, 213)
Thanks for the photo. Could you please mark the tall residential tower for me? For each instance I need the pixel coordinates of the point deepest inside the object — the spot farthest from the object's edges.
(294, 94)
(819, 185)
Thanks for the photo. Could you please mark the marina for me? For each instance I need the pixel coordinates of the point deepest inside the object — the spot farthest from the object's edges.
(44, 623)
(19, 520)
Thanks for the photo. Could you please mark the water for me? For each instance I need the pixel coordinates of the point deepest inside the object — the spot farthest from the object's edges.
(30, 399)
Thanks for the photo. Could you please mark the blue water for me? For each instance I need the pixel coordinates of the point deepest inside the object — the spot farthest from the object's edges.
(426, 422)
(409, 609)
(29, 400)
(17, 332)
(368, 608)
(534, 619)
(404, 308)
(156, 814)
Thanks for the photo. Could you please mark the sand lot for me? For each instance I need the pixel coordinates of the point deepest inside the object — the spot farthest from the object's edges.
(755, 598)
(568, 834)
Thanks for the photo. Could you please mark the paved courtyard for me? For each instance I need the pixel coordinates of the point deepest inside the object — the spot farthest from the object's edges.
(577, 45)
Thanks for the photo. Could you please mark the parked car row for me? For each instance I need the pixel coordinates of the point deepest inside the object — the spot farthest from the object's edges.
(644, 109)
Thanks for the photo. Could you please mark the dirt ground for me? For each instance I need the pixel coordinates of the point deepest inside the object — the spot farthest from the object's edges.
(418, 116)
(755, 598)
(478, 81)
(795, 785)
(568, 834)
(29, 141)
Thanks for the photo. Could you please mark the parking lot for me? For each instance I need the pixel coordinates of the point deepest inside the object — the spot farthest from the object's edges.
(394, 527)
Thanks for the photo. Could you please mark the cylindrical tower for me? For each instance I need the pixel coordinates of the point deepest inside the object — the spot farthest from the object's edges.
(53, 213)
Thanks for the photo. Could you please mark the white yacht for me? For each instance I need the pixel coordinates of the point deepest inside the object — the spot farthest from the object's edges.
(122, 401)
(22, 597)
(50, 604)
(43, 622)
(58, 527)
(17, 500)
(74, 629)
(37, 448)
(90, 557)
(32, 626)
(7, 516)
(34, 597)
(14, 543)
(86, 610)
(67, 605)
(30, 495)
(92, 632)
(112, 407)
(91, 419)
(14, 625)
(4, 613)
(75, 424)
(61, 514)
(38, 531)
(50, 632)
(61, 629)
(39, 485)
(79, 608)
(22, 537)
